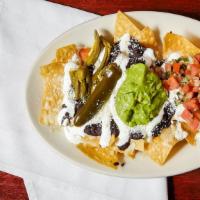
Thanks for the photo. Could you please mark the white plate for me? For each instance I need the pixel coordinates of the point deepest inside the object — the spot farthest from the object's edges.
(186, 159)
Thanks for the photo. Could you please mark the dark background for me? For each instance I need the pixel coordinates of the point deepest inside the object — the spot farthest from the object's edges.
(181, 187)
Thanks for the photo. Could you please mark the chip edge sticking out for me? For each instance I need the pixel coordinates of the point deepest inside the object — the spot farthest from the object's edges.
(108, 156)
(177, 43)
(145, 35)
(123, 25)
(161, 146)
(191, 134)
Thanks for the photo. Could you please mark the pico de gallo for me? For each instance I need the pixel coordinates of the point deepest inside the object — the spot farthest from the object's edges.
(184, 74)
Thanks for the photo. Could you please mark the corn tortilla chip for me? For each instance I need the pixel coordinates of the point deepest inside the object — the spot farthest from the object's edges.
(108, 156)
(139, 144)
(52, 93)
(191, 134)
(135, 145)
(91, 140)
(160, 147)
(148, 39)
(52, 75)
(146, 36)
(124, 25)
(130, 151)
(178, 43)
(132, 154)
(94, 140)
(65, 53)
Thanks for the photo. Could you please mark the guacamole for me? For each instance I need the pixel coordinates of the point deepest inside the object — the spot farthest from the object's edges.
(140, 96)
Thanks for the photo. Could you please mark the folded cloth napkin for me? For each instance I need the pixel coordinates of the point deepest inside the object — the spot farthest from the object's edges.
(26, 27)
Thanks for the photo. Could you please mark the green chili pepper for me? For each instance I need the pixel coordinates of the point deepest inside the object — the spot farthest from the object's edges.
(185, 80)
(95, 50)
(81, 79)
(184, 59)
(99, 96)
(97, 74)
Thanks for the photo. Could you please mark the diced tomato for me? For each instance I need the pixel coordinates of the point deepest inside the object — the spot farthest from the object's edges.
(176, 67)
(187, 72)
(189, 95)
(83, 53)
(173, 83)
(197, 114)
(186, 88)
(187, 115)
(168, 67)
(192, 104)
(195, 61)
(195, 69)
(165, 84)
(195, 89)
(197, 57)
(159, 71)
(194, 124)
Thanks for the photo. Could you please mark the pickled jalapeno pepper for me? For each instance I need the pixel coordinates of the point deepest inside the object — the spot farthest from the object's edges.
(100, 95)
(95, 50)
(97, 74)
(81, 79)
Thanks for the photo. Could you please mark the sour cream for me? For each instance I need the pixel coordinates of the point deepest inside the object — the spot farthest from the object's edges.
(68, 99)
(179, 110)
(105, 132)
(99, 60)
(173, 96)
(122, 61)
(173, 56)
(124, 43)
(73, 134)
(149, 57)
(180, 134)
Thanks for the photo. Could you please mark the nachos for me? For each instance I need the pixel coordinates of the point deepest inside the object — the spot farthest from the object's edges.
(113, 100)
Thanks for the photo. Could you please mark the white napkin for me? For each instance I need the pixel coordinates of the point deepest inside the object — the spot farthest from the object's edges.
(26, 27)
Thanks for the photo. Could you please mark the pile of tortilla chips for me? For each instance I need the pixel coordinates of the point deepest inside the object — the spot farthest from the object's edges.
(162, 145)
(52, 75)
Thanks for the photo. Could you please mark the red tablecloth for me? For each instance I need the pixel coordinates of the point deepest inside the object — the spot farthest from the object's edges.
(182, 187)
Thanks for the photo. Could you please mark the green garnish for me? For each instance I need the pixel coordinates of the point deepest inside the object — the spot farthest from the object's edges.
(177, 102)
(81, 80)
(184, 66)
(167, 74)
(184, 59)
(185, 80)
